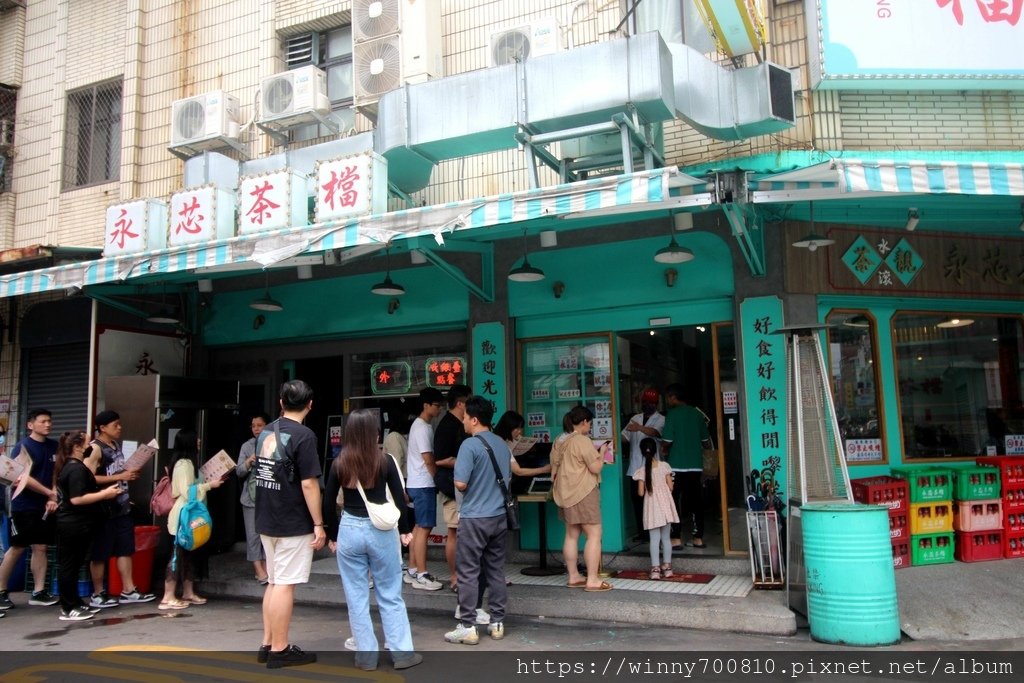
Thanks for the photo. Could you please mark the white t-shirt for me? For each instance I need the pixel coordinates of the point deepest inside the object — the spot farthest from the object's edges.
(636, 458)
(421, 440)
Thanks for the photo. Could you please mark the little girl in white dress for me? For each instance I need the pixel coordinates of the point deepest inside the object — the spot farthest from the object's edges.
(654, 485)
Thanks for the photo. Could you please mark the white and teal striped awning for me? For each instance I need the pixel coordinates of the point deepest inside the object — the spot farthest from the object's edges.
(645, 190)
(850, 178)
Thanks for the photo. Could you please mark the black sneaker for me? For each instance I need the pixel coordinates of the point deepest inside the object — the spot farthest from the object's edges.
(262, 654)
(102, 601)
(5, 602)
(290, 656)
(135, 596)
(77, 614)
(43, 599)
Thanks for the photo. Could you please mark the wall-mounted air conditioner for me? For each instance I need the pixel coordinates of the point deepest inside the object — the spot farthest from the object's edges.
(207, 121)
(384, 59)
(519, 43)
(294, 98)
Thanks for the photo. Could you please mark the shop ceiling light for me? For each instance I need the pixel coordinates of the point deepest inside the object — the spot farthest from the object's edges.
(267, 302)
(165, 315)
(673, 253)
(813, 240)
(955, 322)
(388, 287)
(859, 321)
(525, 272)
(913, 218)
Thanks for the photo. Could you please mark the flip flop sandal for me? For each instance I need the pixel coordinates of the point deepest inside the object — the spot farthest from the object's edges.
(195, 600)
(605, 586)
(655, 574)
(582, 583)
(173, 604)
(666, 571)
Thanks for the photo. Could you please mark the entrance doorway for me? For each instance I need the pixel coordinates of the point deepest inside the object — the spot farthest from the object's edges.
(702, 358)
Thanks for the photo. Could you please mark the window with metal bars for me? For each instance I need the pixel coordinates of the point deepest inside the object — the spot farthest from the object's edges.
(92, 137)
(331, 51)
(8, 97)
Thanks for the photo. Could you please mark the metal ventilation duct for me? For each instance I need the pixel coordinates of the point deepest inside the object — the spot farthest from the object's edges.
(480, 111)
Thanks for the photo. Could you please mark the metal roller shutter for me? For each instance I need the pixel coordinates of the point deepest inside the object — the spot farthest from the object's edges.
(58, 380)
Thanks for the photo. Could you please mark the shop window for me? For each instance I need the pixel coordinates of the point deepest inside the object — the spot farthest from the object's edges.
(331, 51)
(92, 137)
(852, 370)
(558, 374)
(959, 380)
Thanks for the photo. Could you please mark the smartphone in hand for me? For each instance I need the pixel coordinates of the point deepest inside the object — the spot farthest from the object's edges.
(609, 455)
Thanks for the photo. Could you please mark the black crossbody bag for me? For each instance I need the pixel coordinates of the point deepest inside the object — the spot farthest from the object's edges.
(511, 513)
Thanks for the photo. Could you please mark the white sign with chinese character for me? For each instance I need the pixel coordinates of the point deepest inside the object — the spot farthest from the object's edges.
(1015, 444)
(603, 408)
(271, 201)
(863, 450)
(135, 227)
(540, 394)
(568, 393)
(730, 404)
(199, 215)
(601, 428)
(536, 419)
(351, 186)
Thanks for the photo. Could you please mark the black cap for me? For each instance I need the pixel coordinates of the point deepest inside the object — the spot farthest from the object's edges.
(105, 418)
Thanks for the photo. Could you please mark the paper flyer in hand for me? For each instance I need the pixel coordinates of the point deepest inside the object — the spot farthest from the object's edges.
(216, 467)
(10, 470)
(143, 454)
(523, 444)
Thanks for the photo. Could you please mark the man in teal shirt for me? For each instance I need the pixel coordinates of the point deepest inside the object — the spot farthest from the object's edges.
(684, 437)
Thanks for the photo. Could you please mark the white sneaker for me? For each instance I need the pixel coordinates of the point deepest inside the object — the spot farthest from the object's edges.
(496, 631)
(483, 617)
(350, 644)
(426, 582)
(77, 614)
(466, 635)
(408, 578)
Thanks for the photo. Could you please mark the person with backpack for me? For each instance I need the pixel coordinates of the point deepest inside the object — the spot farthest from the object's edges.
(180, 569)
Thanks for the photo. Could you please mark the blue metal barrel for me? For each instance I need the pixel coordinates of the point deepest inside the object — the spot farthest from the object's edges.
(851, 583)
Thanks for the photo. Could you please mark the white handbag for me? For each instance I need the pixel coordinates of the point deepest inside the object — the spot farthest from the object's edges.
(384, 516)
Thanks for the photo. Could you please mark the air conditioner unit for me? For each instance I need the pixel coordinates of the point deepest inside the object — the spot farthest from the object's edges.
(294, 98)
(412, 55)
(539, 37)
(204, 121)
(378, 18)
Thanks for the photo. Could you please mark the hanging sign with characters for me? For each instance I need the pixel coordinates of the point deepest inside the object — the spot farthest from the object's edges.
(135, 227)
(394, 377)
(271, 201)
(445, 371)
(351, 186)
(201, 214)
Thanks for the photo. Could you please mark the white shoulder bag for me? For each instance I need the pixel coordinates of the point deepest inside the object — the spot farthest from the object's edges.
(384, 516)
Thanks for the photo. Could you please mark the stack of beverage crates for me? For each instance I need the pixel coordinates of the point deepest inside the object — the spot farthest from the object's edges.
(1011, 481)
(891, 493)
(931, 513)
(978, 514)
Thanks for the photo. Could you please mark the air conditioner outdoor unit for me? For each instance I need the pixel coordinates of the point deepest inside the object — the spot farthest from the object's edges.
(378, 18)
(517, 44)
(294, 98)
(204, 121)
(413, 55)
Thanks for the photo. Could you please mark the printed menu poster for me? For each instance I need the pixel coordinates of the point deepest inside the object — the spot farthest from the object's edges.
(523, 444)
(216, 467)
(143, 453)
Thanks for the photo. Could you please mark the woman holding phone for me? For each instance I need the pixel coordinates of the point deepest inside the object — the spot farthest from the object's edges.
(576, 469)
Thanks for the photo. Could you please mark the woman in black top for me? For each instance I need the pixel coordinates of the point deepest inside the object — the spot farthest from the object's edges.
(79, 516)
(362, 548)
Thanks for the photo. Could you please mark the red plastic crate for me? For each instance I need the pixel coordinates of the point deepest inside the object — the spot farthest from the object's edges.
(1011, 468)
(899, 526)
(888, 492)
(979, 546)
(978, 515)
(1013, 498)
(1014, 522)
(1013, 544)
(901, 553)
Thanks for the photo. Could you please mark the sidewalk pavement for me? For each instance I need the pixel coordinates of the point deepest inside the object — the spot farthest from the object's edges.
(958, 601)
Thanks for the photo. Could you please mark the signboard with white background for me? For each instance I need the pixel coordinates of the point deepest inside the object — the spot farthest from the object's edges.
(903, 44)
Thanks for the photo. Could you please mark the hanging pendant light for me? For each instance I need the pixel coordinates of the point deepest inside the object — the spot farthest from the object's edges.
(266, 302)
(388, 287)
(525, 272)
(812, 241)
(673, 253)
(165, 314)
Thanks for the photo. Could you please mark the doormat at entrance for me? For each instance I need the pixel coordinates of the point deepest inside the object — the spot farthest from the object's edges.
(677, 578)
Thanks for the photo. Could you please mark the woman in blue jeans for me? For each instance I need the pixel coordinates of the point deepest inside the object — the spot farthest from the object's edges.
(362, 548)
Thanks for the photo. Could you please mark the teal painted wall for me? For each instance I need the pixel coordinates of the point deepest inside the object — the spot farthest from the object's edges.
(883, 311)
(343, 306)
(620, 287)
